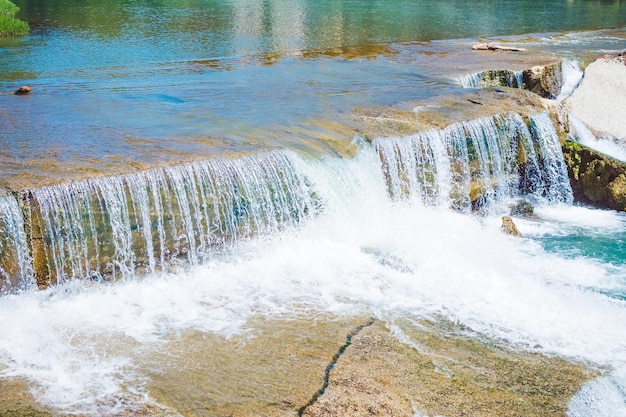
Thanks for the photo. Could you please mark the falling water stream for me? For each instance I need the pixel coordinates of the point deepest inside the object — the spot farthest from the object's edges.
(387, 233)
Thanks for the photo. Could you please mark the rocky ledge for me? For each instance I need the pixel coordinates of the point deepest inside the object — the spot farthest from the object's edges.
(596, 179)
(599, 102)
(341, 366)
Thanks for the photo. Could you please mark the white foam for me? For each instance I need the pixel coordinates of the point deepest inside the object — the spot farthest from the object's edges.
(83, 345)
(606, 145)
(566, 217)
(571, 76)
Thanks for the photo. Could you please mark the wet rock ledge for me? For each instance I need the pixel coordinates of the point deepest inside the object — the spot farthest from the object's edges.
(365, 366)
(443, 373)
(596, 179)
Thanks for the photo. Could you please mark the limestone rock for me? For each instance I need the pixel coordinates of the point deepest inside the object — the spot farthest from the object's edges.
(600, 99)
(22, 91)
(509, 227)
(596, 179)
(545, 81)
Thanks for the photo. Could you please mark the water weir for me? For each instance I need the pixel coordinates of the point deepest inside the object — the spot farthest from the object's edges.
(477, 163)
(147, 221)
(154, 220)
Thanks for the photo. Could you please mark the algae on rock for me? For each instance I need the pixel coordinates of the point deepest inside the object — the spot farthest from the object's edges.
(596, 179)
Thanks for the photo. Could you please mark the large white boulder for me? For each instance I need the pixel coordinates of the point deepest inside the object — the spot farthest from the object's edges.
(600, 99)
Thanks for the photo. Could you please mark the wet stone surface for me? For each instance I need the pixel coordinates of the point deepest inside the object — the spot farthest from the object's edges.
(387, 369)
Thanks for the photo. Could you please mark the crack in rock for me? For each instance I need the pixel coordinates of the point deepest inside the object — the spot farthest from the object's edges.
(331, 365)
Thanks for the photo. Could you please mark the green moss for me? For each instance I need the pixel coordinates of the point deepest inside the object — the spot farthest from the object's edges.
(9, 25)
(596, 179)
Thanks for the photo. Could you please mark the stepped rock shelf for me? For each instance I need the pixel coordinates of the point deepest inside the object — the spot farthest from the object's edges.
(465, 152)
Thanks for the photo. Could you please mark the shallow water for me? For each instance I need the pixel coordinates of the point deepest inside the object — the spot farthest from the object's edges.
(124, 84)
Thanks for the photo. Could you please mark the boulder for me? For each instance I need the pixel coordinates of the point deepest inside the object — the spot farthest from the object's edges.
(22, 91)
(509, 227)
(596, 179)
(600, 99)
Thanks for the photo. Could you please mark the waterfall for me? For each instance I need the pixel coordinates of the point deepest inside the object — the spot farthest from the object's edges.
(553, 171)
(505, 78)
(113, 227)
(15, 261)
(470, 80)
(518, 78)
(478, 162)
(579, 132)
(571, 75)
(154, 220)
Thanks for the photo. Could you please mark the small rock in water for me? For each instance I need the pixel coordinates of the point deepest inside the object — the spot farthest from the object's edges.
(509, 227)
(523, 208)
(494, 47)
(23, 90)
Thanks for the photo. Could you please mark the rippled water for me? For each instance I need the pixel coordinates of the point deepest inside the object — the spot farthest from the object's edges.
(145, 82)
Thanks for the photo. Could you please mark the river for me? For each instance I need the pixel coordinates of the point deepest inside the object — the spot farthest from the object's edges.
(207, 123)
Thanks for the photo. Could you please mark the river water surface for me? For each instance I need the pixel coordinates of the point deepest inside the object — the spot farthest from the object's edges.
(119, 85)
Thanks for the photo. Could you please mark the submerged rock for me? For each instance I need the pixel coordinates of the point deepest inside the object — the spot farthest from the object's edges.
(509, 227)
(596, 179)
(22, 91)
(523, 208)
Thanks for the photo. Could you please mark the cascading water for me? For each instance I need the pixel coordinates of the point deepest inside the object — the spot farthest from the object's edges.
(15, 262)
(556, 186)
(481, 161)
(470, 80)
(571, 75)
(109, 227)
(506, 78)
(365, 253)
(579, 132)
(112, 227)
(516, 79)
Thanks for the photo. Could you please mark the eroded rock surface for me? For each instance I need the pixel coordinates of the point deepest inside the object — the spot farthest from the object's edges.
(600, 99)
(443, 374)
(596, 179)
(509, 227)
(323, 365)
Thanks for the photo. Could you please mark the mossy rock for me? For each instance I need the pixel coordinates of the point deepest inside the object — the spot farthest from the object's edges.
(596, 179)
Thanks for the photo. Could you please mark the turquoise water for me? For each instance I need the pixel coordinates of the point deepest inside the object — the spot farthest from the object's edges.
(593, 236)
